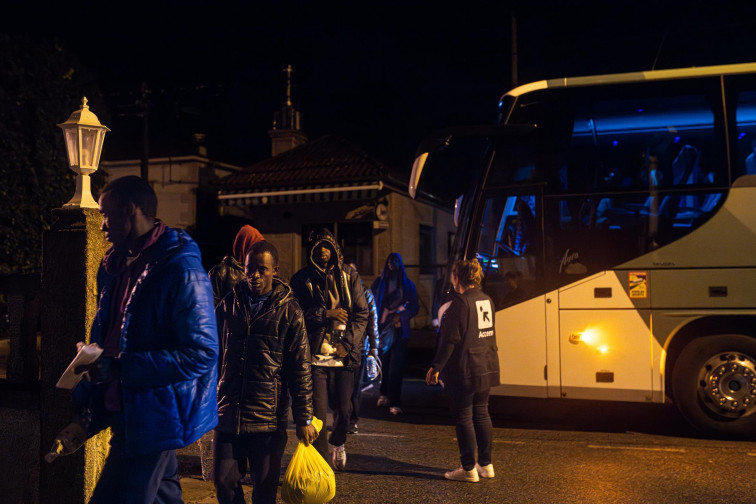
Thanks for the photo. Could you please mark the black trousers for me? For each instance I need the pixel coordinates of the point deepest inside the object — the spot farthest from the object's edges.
(469, 408)
(262, 450)
(147, 479)
(332, 386)
(393, 370)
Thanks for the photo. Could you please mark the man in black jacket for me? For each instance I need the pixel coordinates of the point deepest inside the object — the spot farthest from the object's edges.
(336, 314)
(265, 355)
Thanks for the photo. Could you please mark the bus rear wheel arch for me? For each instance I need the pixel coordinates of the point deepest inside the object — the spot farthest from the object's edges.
(714, 385)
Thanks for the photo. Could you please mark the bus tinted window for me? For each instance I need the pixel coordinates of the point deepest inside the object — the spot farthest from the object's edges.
(626, 138)
(509, 246)
(640, 143)
(745, 115)
(624, 170)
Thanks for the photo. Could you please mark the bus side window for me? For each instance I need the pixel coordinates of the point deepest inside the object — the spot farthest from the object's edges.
(508, 244)
(750, 160)
(637, 174)
(745, 115)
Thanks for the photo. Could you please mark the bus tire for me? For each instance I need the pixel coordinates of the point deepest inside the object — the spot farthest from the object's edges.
(714, 385)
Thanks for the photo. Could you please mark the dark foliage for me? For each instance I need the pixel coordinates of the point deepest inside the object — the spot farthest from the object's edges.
(41, 83)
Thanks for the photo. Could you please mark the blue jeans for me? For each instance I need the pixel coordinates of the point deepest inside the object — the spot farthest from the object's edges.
(263, 451)
(473, 424)
(144, 479)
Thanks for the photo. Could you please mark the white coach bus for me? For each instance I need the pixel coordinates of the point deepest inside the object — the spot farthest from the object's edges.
(623, 207)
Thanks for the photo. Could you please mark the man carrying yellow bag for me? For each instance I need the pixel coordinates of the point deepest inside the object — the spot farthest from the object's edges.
(265, 355)
(309, 479)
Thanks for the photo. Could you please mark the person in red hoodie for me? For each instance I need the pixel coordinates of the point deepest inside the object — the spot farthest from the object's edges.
(224, 278)
(230, 271)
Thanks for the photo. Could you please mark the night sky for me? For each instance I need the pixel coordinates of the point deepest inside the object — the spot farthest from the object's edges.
(381, 74)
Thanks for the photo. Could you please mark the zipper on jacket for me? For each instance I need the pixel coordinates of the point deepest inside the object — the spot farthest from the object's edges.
(244, 372)
(249, 322)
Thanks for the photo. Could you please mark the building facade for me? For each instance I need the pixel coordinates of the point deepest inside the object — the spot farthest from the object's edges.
(331, 183)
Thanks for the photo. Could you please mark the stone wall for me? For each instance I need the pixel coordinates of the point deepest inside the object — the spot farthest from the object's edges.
(19, 456)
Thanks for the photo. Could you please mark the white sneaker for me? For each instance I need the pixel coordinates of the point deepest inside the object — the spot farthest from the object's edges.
(383, 401)
(486, 471)
(459, 474)
(339, 457)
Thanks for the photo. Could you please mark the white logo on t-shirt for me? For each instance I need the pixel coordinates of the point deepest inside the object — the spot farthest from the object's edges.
(485, 314)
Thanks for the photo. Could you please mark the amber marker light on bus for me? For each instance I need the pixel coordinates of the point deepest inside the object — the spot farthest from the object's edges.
(590, 337)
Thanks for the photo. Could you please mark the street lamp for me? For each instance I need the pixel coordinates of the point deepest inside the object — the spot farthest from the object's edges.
(84, 136)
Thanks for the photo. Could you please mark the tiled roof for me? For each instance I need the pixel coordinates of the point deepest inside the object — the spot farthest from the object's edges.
(327, 160)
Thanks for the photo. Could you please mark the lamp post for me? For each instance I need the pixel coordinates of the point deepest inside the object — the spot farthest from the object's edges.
(84, 137)
(72, 251)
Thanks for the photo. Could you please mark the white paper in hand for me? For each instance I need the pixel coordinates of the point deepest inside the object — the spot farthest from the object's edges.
(86, 355)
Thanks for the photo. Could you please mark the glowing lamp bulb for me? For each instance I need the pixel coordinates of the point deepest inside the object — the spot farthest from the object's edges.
(588, 336)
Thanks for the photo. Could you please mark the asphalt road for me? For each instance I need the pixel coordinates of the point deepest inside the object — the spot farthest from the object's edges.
(544, 452)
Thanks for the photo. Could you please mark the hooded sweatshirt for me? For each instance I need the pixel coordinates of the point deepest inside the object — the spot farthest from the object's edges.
(333, 285)
(393, 290)
(245, 238)
(230, 271)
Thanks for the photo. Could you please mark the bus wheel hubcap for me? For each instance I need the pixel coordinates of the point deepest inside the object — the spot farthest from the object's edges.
(728, 384)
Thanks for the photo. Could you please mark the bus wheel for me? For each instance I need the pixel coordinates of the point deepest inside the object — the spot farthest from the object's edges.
(714, 385)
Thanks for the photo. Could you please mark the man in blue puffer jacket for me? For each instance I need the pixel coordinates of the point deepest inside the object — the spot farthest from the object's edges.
(155, 383)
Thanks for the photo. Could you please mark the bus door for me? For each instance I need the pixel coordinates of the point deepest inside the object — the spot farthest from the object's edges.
(605, 338)
(509, 248)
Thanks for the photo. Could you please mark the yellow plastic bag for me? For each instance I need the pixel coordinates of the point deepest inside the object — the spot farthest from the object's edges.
(308, 479)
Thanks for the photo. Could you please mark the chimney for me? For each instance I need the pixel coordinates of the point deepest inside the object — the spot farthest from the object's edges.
(198, 142)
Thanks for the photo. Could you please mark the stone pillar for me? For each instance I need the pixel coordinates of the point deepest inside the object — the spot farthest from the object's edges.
(71, 253)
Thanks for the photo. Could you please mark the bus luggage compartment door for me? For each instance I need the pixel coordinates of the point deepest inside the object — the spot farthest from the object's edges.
(605, 342)
(521, 339)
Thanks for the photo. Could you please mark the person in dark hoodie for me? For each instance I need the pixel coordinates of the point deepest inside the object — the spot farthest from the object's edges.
(230, 271)
(336, 313)
(265, 357)
(396, 299)
(154, 384)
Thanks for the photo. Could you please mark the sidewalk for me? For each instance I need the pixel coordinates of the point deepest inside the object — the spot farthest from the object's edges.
(196, 490)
